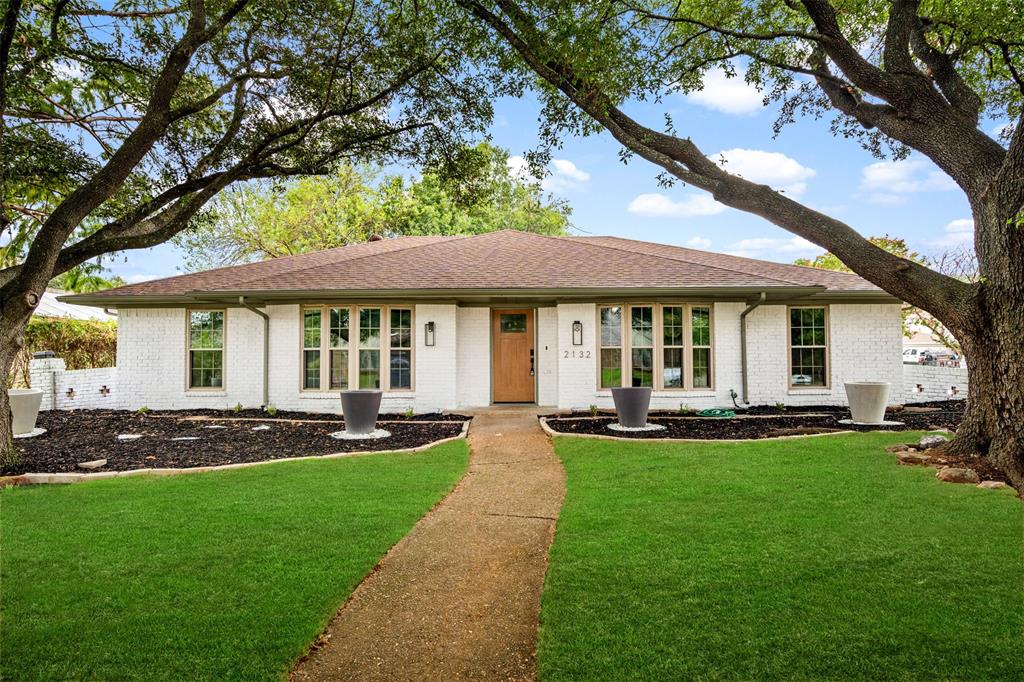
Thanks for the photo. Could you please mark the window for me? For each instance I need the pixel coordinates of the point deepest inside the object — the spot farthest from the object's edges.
(661, 346)
(339, 348)
(369, 348)
(401, 348)
(513, 323)
(343, 347)
(700, 330)
(206, 349)
(641, 325)
(808, 347)
(611, 347)
(672, 346)
(311, 348)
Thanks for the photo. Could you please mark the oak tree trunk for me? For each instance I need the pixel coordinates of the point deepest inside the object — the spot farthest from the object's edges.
(11, 335)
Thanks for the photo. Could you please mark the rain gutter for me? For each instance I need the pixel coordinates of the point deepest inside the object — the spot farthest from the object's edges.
(743, 342)
(266, 347)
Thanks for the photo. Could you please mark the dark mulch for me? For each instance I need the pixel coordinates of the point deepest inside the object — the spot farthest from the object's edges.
(84, 435)
(935, 407)
(757, 426)
(252, 413)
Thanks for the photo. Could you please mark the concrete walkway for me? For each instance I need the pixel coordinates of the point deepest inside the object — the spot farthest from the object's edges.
(459, 596)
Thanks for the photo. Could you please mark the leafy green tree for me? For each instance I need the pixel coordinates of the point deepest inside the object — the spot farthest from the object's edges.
(472, 193)
(86, 277)
(895, 75)
(121, 121)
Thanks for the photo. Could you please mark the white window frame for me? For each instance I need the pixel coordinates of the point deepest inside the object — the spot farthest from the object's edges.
(354, 345)
(626, 346)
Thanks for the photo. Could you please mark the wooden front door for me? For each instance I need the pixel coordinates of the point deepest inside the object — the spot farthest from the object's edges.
(512, 355)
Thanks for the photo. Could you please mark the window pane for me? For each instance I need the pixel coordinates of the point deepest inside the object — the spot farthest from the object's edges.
(339, 369)
(700, 322)
(206, 328)
(369, 368)
(611, 326)
(808, 367)
(512, 323)
(206, 369)
(401, 369)
(611, 367)
(642, 325)
(401, 328)
(702, 368)
(339, 327)
(672, 372)
(672, 325)
(311, 369)
(643, 367)
(311, 329)
(369, 327)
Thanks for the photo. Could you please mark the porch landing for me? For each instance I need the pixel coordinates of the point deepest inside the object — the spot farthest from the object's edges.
(459, 596)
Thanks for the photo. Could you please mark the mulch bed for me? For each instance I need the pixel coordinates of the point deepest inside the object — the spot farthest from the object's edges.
(84, 435)
(765, 422)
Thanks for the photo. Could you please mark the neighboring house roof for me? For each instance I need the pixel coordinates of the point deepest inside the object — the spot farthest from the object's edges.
(49, 306)
(498, 263)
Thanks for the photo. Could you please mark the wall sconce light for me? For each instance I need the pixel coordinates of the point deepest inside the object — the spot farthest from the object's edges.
(577, 333)
(919, 388)
(428, 334)
(953, 390)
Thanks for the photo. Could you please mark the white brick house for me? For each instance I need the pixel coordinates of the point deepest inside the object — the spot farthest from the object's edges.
(454, 322)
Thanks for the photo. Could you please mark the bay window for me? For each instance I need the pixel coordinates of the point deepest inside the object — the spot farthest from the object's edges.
(343, 348)
(660, 346)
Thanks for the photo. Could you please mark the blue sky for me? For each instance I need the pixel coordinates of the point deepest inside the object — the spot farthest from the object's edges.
(911, 199)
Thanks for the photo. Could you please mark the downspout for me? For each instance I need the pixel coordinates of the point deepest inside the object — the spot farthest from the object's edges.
(743, 343)
(266, 347)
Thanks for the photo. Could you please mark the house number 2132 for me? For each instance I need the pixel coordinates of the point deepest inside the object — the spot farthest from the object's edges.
(581, 354)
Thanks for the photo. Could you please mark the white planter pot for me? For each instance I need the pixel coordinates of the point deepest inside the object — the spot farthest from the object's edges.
(25, 404)
(867, 401)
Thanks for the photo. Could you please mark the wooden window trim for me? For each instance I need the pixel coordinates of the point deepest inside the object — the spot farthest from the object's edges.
(223, 352)
(828, 349)
(626, 346)
(354, 346)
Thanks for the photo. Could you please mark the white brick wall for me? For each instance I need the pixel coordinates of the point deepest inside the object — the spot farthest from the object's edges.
(74, 389)
(865, 344)
(547, 356)
(934, 383)
(473, 374)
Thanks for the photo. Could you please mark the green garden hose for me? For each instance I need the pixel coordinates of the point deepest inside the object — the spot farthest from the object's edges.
(717, 412)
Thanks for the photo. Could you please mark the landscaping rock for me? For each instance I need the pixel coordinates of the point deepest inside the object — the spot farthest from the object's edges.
(992, 485)
(956, 475)
(913, 458)
(263, 427)
(94, 464)
(129, 436)
(899, 447)
(931, 441)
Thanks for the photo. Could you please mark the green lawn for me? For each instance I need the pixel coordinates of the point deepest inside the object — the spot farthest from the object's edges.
(801, 559)
(227, 575)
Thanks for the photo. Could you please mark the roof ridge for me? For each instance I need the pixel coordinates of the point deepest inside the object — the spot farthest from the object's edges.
(442, 240)
(755, 261)
(680, 260)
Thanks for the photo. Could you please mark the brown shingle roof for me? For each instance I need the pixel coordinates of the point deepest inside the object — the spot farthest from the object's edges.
(507, 260)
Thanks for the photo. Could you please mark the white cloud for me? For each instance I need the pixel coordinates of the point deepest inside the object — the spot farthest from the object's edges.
(956, 232)
(699, 243)
(768, 168)
(729, 95)
(774, 248)
(565, 176)
(888, 182)
(661, 206)
(135, 279)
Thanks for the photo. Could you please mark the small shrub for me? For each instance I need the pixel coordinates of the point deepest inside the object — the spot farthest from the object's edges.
(410, 413)
(781, 407)
(143, 410)
(271, 410)
(593, 410)
(686, 409)
(237, 408)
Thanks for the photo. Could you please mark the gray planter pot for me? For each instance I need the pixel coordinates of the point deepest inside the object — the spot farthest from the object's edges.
(25, 404)
(867, 401)
(631, 405)
(360, 409)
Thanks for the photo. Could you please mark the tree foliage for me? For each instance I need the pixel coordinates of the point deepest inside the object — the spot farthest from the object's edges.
(82, 344)
(476, 193)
